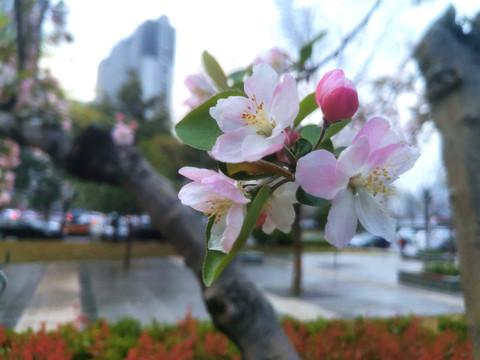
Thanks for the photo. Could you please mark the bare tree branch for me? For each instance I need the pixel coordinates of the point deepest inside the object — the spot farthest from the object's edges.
(308, 72)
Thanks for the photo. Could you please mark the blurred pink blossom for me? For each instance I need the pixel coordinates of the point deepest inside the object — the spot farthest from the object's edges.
(123, 135)
(276, 58)
(200, 88)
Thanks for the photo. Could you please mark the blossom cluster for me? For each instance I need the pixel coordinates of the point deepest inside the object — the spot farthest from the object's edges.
(259, 134)
(123, 134)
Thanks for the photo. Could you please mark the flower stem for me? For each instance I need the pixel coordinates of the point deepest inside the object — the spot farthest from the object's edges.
(277, 185)
(326, 125)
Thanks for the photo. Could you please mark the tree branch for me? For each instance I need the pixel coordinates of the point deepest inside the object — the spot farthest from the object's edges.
(345, 41)
(236, 305)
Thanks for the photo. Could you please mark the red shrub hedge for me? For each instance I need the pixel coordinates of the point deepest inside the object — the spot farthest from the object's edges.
(392, 339)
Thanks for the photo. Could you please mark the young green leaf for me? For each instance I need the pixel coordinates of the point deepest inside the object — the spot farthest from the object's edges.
(305, 198)
(338, 151)
(311, 133)
(302, 147)
(216, 261)
(253, 170)
(307, 106)
(307, 49)
(215, 71)
(326, 145)
(335, 128)
(198, 129)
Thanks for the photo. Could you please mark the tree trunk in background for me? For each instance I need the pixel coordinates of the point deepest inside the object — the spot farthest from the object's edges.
(449, 60)
(236, 305)
(426, 215)
(128, 245)
(296, 287)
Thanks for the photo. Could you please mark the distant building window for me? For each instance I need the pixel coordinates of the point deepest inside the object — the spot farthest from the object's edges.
(149, 39)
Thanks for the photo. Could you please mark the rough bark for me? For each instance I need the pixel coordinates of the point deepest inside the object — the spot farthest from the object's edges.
(449, 60)
(236, 305)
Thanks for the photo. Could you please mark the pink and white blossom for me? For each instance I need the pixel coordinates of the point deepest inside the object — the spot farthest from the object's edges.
(200, 88)
(276, 58)
(359, 181)
(278, 211)
(123, 134)
(216, 195)
(253, 127)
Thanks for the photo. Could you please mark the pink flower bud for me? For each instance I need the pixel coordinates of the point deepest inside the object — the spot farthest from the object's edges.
(119, 117)
(337, 97)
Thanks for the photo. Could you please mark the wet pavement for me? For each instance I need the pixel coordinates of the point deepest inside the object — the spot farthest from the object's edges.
(345, 285)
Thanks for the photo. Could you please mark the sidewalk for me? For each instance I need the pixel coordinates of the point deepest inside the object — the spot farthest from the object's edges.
(165, 290)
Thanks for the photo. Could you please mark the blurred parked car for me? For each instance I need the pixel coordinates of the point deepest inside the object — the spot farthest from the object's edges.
(78, 222)
(440, 238)
(115, 228)
(367, 240)
(143, 229)
(31, 229)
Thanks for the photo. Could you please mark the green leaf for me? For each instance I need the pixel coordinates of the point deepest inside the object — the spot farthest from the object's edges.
(307, 106)
(307, 49)
(311, 133)
(335, 128)
(214, 70)
(198, 129)
(326, 145)
(338, 151)
(305, 198)
(302, 147)
(216, 261)
(213, 258)
(246, 170)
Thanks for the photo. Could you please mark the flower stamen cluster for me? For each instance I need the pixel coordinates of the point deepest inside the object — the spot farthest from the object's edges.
(376, 182)
(218, 208)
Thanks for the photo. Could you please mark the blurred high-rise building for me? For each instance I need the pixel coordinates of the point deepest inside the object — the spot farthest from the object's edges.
(149, 52)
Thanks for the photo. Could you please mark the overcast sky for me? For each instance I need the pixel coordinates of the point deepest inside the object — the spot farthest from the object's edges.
(235, 32)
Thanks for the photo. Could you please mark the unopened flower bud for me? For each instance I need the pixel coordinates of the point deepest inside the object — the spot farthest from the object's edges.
(337, 97)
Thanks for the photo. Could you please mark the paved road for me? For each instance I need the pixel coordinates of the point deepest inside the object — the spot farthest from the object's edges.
(163, 289)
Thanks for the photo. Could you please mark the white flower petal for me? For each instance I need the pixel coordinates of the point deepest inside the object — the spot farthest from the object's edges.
(285, 104)
(234, 222)
(217, 234)
(255, 147)
(342, 220)
(195, 193)
(228, 113)
(353, 158)
(316, 174)
(373, 216)
(280, 213)
(228, 147)
(262, 84)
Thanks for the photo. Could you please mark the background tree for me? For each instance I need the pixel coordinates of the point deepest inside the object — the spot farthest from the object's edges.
(448, 59)
(38, 184)
(237, 307)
